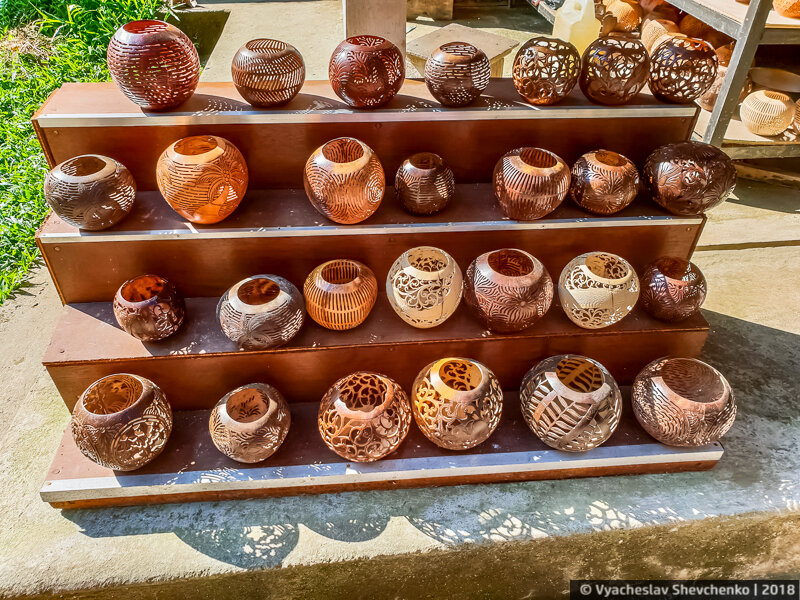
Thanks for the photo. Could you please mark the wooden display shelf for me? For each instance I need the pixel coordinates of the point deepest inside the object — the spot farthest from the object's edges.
(279, 232)
(728, 16)
(740, 142)
(198, 365)
(276, 230)
(97, 118)
(191, 469)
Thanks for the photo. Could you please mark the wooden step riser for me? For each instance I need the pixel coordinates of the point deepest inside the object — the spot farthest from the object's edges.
(276, 144)
(280, 233)
(198, 365)
(93, 272)
(276, 155)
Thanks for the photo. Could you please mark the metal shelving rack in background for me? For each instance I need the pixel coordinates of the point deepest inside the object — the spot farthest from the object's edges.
(751, 26)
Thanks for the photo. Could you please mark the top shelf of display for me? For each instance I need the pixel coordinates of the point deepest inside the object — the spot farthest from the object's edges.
(103, 105)
(728, 16)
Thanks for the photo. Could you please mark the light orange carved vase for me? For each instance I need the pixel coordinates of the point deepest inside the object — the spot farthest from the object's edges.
(340, 293)
(203, 178)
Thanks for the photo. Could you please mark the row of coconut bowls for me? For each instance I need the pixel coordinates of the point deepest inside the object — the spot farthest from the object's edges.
(157, 67)
(612, 70)
(204, 179)
(570, 402)
(507, 290)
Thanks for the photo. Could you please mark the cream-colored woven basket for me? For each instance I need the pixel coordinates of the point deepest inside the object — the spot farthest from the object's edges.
(767, 113)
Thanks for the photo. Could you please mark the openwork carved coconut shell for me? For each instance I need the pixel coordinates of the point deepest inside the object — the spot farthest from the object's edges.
(682, 69)
(683, 402)
(340, 293)
(571, 402)
(457, 403)
(364, 417)
(673, 289)
(263, 311)
(767, 113)
(344, 180)
(604, 182)
(456, 73)
(366, 71)
(530, 183)
(268, 72)
(154, 63)
(149, 308)
(424, 184)
(91, 192)
(424, 286)
(508, 290)
(546, 69)
(250, 423)
(597, 289)
(614, 70)
(203, 178)
(122, 422)
(689, 178)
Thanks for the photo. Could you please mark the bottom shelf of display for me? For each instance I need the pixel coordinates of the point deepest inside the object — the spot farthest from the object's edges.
(191, 468)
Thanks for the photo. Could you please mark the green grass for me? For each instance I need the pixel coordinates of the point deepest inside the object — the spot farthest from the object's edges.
(42, 45)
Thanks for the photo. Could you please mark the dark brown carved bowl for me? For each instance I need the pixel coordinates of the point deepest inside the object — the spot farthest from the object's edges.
(614, 70)
(673, 289)
(149, 308)
(122, 422)
(250, 423)
(546, 69)
(202, 177)
(364, 417)
(682, 69)
(689, 178)
(604, 182)
(366, 71)
(154, 63)
(683, 402)
(530, 183)
(344, 180)
(424, 184)
(91, 192)
(268, 72)
(263, 311)
(456, 73)
(509, 290)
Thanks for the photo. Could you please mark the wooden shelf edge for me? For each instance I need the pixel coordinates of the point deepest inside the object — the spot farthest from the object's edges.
(728, 16)
(220, 104)
(88, 333)
(740, 143)
(201, 365)
(287, 213)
